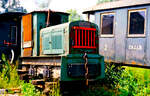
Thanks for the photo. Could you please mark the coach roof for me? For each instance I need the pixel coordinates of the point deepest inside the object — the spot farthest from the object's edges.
(116, 4)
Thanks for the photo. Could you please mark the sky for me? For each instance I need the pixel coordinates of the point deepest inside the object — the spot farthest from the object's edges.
(61, 5)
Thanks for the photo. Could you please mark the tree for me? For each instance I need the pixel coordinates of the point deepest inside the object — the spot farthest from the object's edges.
(102, 1)
(74, 16)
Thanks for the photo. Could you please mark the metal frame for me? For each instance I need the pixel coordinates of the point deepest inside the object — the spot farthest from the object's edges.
(107, 35)
(136, 35)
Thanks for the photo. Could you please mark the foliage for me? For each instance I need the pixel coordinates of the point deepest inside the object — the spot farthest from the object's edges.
(9, 78)
(27, 89)
(102, 1)
(135, 81)
(74, 16)
(112, 75)
(55, 89)
(126, 81)
(121, 81)
(8, 75)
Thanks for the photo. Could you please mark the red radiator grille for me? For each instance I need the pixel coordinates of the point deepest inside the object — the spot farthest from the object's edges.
(84, 37)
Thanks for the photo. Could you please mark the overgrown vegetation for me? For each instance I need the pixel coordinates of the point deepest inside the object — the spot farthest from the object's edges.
(27, 89)
(8, 75)
(122, 81)
(134, 82)
(9, 79)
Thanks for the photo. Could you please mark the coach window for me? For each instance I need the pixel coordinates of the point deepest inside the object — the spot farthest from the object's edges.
(13, 34)
(107, 24)
(136, 23)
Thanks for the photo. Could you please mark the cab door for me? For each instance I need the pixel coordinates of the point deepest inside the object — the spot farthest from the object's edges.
(27, 35)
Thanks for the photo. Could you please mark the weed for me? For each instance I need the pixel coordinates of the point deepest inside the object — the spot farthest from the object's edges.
(8, 75)
(29, 90)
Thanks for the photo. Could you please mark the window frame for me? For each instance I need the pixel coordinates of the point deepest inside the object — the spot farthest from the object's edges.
(136, 35)
(11, 34)
(101, 16)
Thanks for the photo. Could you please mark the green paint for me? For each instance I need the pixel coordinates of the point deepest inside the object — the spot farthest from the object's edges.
(38, 23)
(78, 59)
(53, 40)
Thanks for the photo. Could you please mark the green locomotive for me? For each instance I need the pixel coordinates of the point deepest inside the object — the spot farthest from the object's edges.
(71, 42)
(68, 52)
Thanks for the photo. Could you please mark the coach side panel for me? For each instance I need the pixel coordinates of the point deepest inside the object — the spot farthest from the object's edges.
(122, 46)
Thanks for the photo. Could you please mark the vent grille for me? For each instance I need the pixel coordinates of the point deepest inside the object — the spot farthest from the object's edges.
(83, 37)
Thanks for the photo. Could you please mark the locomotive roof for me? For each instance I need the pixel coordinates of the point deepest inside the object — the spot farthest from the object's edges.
(46, 11)
(116, 4)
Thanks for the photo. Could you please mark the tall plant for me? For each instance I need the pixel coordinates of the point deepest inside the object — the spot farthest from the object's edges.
(9, 77)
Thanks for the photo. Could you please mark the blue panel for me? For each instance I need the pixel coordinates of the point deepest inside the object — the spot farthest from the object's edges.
(122, 48)
(97, 19)
(107, 48)
(120, 34)
(135, 50)
(147, 51)
(106, 45)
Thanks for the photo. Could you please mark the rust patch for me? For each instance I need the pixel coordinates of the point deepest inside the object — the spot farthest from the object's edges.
(133, 62)
(40, 46)
(145, 64)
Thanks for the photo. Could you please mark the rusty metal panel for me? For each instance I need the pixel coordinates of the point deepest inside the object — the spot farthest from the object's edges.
(27, 34)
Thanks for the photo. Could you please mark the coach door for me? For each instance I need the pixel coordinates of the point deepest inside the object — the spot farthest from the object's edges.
(27, 35)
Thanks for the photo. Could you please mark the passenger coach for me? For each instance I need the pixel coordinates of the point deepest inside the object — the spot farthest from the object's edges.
(124, 31)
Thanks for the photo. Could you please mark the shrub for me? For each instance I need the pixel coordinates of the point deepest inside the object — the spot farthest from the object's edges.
(8, 76)
(125, 81)
(135, 81)
(27, 89)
